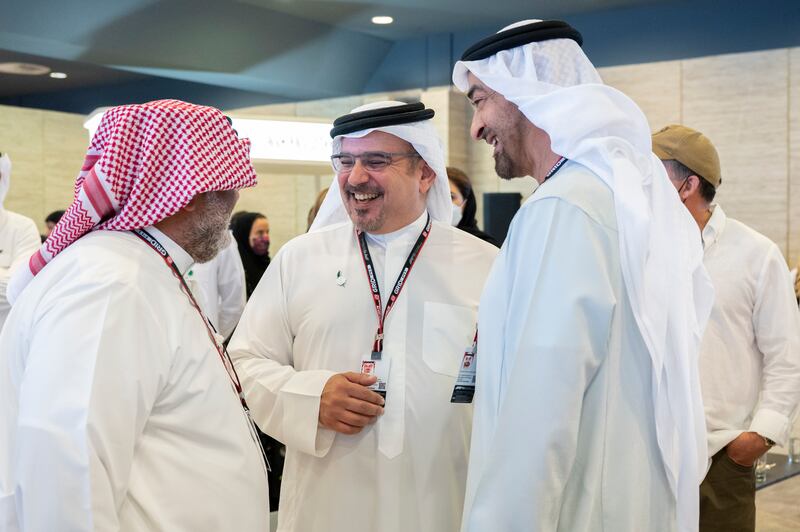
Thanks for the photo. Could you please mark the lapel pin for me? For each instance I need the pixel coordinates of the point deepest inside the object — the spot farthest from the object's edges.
(340, 279)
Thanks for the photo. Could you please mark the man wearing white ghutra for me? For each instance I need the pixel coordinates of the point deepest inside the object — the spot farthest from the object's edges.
(588, 413)
(382, 287)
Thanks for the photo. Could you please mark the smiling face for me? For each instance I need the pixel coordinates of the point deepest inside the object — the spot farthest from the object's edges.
(502, 125)
(382, 201)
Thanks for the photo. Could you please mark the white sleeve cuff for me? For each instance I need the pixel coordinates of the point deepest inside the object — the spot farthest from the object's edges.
(301, 395)
(772, 425)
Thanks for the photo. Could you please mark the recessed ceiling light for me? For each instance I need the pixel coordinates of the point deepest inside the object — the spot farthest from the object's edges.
(58, 75)
(23, 69)
(382, 20)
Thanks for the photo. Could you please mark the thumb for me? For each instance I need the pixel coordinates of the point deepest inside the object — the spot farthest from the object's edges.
(360, 378)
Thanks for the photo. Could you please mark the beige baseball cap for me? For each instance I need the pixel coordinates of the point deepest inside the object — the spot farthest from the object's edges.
(690, 148)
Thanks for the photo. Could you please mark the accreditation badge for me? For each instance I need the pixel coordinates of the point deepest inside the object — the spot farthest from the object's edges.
(377, 364)
(464, 389)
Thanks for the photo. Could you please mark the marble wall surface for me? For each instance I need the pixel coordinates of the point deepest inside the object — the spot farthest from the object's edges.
(46, 150)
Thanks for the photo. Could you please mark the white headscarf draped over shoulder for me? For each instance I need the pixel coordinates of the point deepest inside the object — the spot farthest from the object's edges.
(556, 87)
(423, 137)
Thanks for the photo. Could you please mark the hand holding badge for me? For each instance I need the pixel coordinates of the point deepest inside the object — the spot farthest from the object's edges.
(377, 365)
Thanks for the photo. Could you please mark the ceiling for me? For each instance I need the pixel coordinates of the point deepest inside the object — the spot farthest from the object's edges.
(80, 75)
(242, 52)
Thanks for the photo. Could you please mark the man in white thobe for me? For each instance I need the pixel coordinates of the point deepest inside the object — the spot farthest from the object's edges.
(587, 408)
(354, 463)
(219, 287)
(118, 407)
(750, 355)
(19, 237)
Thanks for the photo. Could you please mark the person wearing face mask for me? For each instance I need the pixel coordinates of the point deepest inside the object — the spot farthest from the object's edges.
(465, 205)
(750, 353)
(251, 231)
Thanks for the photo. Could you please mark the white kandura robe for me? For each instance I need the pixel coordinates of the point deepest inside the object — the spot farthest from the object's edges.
(218, 286)
(564, 436)
(116, 412)
(407, 471)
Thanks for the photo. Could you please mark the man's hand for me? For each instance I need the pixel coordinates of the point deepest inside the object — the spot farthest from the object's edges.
(746, 448)
(346, 405)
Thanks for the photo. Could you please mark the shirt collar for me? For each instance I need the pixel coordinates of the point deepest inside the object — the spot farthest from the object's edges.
(180, 257)
(714, 227)
(409, 232)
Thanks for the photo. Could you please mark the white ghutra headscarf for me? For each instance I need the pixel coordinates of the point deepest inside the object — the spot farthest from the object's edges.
(423, 137)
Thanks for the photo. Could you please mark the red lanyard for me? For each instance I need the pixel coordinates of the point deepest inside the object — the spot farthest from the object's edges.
(151, 241)
(398, 285)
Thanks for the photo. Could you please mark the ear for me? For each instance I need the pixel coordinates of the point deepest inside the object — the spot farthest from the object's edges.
(428, 178)
(692, 186)
(193, 204)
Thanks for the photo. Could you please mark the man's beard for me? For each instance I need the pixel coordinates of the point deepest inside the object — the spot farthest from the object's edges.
(508, 164)
(504, 166)
(210, 233)
(367, 225)
(359, 221)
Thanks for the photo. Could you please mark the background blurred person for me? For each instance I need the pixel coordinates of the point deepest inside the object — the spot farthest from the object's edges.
(251, 232)
(465, 206)
(312, 212)
(19, 238)
(219, 287)
(50, 222)
(750, 353)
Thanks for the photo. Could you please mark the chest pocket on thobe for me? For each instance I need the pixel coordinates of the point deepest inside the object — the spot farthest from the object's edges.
(446, 332)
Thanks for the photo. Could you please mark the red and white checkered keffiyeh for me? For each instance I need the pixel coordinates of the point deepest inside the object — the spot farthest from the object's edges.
(144, 164)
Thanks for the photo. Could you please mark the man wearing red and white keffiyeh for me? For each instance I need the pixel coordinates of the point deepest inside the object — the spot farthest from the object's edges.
(119, 409)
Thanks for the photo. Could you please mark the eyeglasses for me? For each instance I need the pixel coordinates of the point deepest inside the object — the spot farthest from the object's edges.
(374, 161)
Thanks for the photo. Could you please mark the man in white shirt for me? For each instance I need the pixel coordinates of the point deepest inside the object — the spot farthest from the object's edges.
(382, 284)
(750, 354)
(19, 238)
(119, 410)
(587, 408)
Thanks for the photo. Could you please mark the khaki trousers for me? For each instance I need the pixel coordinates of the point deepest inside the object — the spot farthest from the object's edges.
(728, 497)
